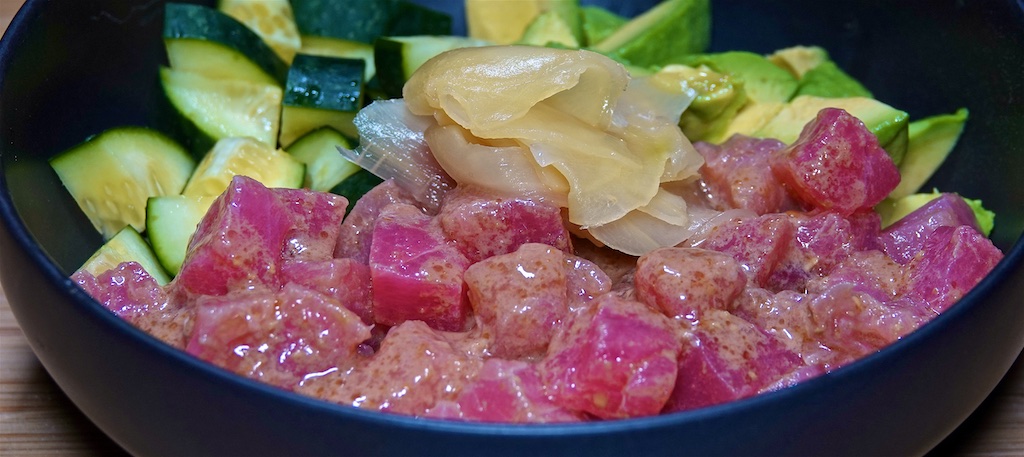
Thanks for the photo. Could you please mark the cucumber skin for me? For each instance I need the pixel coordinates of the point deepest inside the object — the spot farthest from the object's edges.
(186, 21)
(355, 186)
(330, 83)
(365, 20)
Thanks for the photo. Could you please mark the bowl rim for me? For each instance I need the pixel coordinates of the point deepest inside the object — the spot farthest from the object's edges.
(14, 35)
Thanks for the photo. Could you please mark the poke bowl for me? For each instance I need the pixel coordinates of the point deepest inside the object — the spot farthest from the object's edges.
(69, 70)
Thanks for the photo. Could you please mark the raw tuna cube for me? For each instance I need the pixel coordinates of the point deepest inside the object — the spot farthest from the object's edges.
(951, 263)
(737, 175)
(584, 280)
(852, 324)
(684, 282)
(836, 164)
(279, 338)
(520, 299)
(728, 359)
(617, 359)
(786, 315)
(904, 239)
(238, 244)
(820, 241)
(357, 230)
(316, 223)
(870, 272)
(345, 280)
(133, 295)
(415, 369)
(416, 274)
(757, 243)
(512, 392)
(483, 225)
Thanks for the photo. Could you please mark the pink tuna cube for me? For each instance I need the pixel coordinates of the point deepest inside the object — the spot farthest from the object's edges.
(727, 359)
(757, 243)
(952, 261)
(520, 299)
(316, 222)
(737, 175)
(356, 231)
(238, 244)
(345, 280)
(904, 239)
(820, 241)
(416, 273)
(836, 164)
(279, 338)
(684, 282)
(511, 392)
(617, 359)
(484, 225)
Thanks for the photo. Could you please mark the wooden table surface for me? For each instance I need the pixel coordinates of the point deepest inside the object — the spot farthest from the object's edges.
(36, 419)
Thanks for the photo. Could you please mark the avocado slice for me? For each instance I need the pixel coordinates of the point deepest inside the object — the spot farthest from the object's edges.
(719, 98)
(763, 81)
(661, 35)
(798, 60)
(750, 119)
(887, 123)
(598, 23)
(930, 140)
(505, 21)
(829, 81)
(549, 29)
(894, 209)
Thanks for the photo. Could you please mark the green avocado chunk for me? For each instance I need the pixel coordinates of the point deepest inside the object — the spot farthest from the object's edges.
(661, 35)
(830, 81)
(763, 81)
(719, 98)
(930, 140)
(598, 23)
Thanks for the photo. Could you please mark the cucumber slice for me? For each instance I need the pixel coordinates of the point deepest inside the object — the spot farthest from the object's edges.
(355, 20)
(321, 91)
(224, 108)
(412, 19)
(247, 157)
(398, 57)
(337, 47)
(126, 245)
(325, 167)
(206, 41)
(272, 20)
(111, 175)
(170, 223)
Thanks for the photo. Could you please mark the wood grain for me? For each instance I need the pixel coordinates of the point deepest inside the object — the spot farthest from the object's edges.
(36, 419)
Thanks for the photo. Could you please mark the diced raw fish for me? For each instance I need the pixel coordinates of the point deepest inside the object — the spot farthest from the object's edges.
(685, 282)
(727, 359)
(870, 272)
(520, 299)
(757, 243)
(238, 243)
(416, 273)
(617, 359)
(737, 174)
(317, 220)
(819, 242)
(357, 230)
(415, 369)
(510, 391)
(345, 280)
(836, 164)
(276, 337)
(133, 295)
(952, 261)
(483, 225)
(904, 239)
(585, 281)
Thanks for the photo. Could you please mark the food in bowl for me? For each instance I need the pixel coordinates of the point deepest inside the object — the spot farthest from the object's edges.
(495, 300)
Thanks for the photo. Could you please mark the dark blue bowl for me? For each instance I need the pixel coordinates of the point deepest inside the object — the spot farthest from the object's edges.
(70, 69)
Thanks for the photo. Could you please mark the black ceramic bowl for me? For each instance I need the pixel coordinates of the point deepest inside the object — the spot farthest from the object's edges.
(69, 69)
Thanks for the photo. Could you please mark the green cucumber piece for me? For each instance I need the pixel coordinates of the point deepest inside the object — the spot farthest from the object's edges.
(246, 157)
(219, 108)
(398, 57)
(321, 91)
(357, 185)
(203, 40)
(325, 167)
(365, 20)
(112, 174)
(412, 19)
(337, 47)
(171, 221)
(126, 246)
